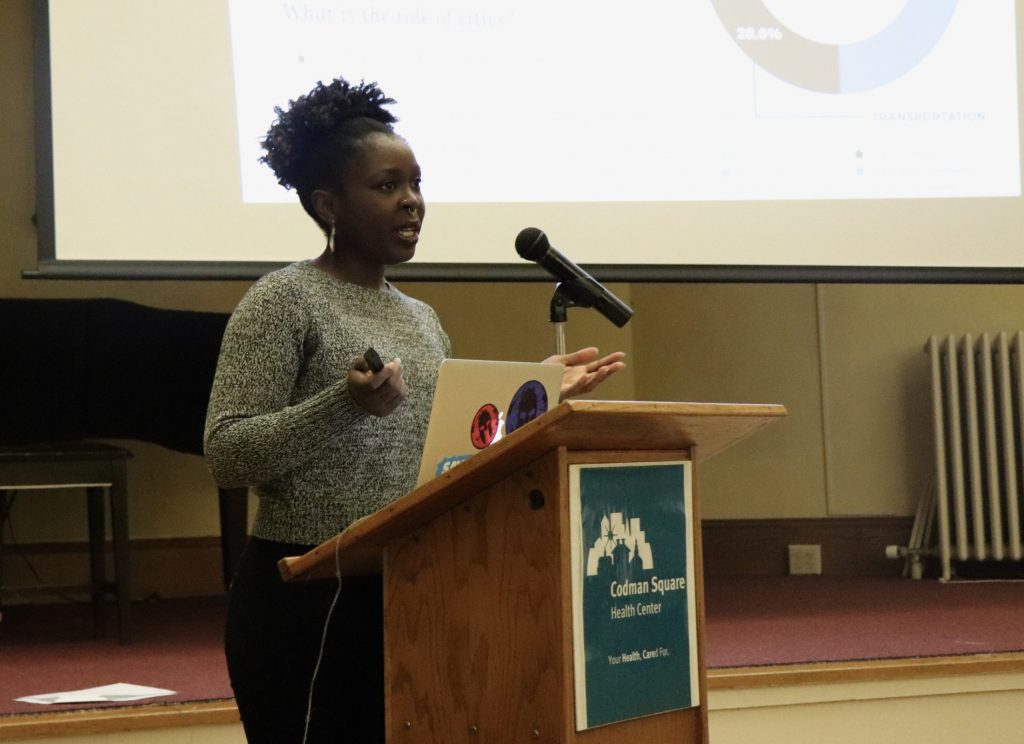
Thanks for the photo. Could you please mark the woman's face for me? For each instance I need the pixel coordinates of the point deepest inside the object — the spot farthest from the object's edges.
(379, 208)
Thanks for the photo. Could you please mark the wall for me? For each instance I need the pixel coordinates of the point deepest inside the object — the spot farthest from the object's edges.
(173, 494)
(847, 360)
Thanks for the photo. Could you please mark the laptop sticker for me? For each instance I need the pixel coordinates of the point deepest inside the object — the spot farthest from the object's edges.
(529, 402)
(485, 426)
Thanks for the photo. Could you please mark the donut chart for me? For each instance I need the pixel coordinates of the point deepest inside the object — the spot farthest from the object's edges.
(837, 68)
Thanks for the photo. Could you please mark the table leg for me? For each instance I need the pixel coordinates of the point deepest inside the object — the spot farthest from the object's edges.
(97, 554)
(122, 559)
(6, 500)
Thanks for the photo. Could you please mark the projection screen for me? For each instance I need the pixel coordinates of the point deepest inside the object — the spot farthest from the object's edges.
(728, 140)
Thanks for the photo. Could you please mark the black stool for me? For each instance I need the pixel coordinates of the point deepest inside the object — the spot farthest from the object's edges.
(99, 469)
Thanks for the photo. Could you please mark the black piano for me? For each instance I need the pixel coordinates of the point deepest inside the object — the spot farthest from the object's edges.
(86, 369)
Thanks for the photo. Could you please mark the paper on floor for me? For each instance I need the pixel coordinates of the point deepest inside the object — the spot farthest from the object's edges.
(115, 693)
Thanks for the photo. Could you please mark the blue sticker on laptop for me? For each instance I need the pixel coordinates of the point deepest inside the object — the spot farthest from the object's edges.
(529, 402)
(447, 463)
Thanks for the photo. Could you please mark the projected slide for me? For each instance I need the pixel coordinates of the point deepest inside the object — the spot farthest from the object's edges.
(654, 101)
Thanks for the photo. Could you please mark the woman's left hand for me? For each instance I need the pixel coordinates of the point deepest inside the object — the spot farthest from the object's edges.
(584, 371)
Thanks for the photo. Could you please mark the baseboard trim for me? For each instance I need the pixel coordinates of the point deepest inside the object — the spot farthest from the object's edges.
(193, 566)
(165, 567)
(850, 546)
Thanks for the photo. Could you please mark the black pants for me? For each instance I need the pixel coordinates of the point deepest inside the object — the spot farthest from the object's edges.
(272, 642)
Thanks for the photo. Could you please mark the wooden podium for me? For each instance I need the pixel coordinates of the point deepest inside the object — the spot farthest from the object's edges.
(477, 581)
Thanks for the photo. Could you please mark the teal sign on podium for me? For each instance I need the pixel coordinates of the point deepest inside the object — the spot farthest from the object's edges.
(634, 607)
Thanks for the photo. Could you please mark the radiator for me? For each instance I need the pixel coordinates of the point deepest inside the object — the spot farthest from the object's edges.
(978, 407)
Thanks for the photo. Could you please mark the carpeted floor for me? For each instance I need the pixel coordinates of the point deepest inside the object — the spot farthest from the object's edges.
(176, 645)
(754, 621)
(751, 621)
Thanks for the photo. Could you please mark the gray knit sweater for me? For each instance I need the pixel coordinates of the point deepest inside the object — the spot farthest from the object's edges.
(281, 419)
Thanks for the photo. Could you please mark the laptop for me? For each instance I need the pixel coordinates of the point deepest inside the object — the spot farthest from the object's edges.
(476, 403)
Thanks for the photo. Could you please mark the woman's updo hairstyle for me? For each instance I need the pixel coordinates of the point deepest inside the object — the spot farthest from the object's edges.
(310, 143)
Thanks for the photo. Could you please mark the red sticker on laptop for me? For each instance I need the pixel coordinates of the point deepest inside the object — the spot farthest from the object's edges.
(485, 426)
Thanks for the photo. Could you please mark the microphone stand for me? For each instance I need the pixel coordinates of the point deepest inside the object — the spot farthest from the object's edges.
(570, 293)
(558, 318)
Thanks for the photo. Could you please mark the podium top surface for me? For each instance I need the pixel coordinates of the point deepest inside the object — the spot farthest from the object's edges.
(578, 425)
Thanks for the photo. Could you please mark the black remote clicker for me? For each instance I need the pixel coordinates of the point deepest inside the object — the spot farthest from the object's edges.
(373, 359)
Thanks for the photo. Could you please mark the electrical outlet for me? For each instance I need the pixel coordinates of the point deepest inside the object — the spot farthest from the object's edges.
(804, 560)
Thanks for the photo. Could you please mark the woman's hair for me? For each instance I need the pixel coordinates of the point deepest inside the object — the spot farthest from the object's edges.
(309, 145)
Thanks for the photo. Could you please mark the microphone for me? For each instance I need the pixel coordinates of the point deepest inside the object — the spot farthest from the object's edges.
(533, 245)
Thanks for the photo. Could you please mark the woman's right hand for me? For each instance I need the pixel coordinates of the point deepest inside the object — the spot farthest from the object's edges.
(378, 393)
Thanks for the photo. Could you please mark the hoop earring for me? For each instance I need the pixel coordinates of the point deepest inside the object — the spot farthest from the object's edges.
(330, 239)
